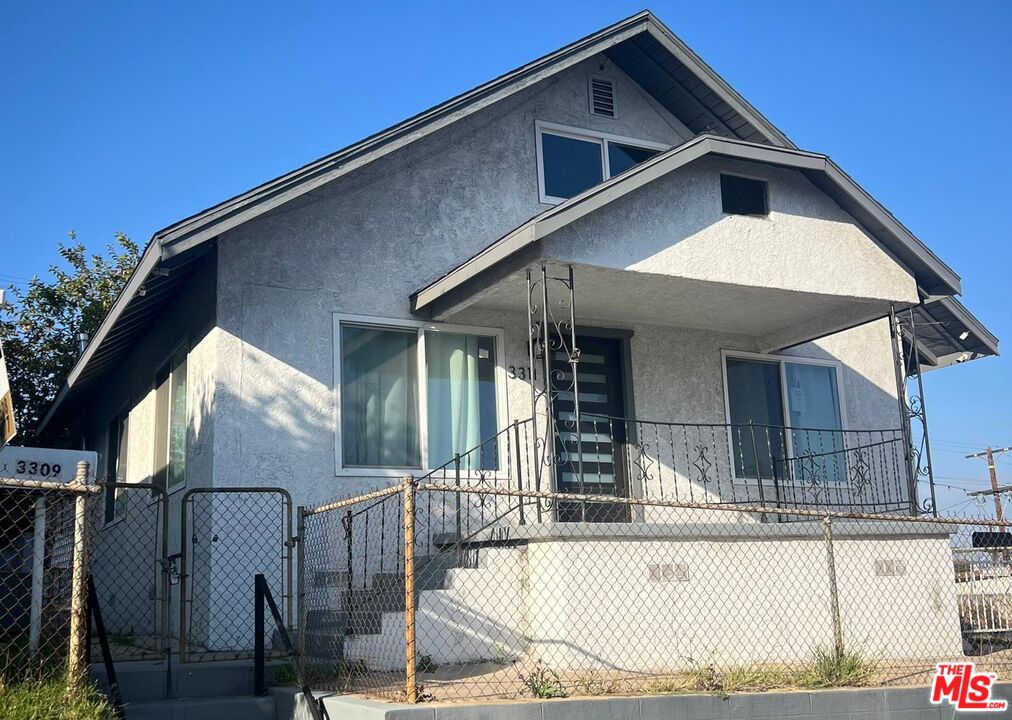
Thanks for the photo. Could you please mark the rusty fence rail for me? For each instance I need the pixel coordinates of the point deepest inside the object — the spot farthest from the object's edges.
(399, 599)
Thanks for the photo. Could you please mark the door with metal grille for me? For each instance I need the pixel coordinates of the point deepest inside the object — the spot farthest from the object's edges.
(591, 449)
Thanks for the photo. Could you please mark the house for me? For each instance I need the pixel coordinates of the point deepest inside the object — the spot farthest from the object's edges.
(606, 256)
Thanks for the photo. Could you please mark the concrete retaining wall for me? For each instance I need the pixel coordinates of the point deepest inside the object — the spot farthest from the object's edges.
(863, 704)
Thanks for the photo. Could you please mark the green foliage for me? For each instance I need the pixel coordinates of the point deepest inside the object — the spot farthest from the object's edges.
(39, 327)
(284, 676)
(830, 669)
(543, 682)
(49, 700)
(825, 669)
(426, 664)
(593, 683)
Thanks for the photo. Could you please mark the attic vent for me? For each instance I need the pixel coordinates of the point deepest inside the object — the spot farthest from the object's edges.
(602, 96)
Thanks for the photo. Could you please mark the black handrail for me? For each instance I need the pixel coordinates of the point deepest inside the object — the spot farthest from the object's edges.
(103, 641)
(261, 593)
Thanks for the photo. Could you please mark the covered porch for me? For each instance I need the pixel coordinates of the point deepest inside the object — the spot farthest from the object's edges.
(668, 350)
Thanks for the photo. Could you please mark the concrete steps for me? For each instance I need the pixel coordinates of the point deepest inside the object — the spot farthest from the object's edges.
(193, 691)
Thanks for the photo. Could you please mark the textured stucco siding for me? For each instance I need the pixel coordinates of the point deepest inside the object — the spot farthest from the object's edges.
(125, 554)
(360, 246)
(593, 604)
(807, 243)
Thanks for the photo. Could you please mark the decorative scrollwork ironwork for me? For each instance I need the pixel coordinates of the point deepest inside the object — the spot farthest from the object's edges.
(642, 462)
(860, 471)
(702, 463)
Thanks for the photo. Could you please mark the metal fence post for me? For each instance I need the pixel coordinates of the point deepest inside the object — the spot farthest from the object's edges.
(834, 595)
(410, 685)
(77, 659)
(300, 569)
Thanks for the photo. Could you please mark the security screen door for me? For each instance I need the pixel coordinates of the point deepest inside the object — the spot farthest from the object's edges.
(602, 431)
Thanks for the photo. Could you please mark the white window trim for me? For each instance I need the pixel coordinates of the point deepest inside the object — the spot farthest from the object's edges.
(601, 138)
(614, 95)
(781, 361)
(423, 426)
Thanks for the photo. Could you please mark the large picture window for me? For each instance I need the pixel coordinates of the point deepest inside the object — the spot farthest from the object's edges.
(571, 161)
(413, 397)
(781, 409)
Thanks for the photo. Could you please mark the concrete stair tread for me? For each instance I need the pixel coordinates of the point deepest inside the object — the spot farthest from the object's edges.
(247, 707)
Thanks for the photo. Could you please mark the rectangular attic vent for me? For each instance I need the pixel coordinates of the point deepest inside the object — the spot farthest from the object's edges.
(602, 96)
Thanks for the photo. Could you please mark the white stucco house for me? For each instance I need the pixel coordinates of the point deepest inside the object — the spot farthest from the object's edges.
(746, 317)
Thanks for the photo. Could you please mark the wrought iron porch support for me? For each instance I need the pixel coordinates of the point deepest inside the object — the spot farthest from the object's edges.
(917, 445)
(548, 334)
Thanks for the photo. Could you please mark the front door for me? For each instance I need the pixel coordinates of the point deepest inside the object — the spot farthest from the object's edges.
(591, 456)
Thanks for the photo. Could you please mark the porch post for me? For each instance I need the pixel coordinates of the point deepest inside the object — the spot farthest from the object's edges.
(899, 365)
(919, 409)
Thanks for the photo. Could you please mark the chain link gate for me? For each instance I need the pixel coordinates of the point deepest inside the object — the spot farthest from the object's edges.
(130, 570)
(227, 536)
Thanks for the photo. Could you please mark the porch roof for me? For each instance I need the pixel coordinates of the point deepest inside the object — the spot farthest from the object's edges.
(947, 333)
(934, 278)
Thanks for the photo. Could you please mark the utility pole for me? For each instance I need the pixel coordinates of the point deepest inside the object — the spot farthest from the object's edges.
(989, 454)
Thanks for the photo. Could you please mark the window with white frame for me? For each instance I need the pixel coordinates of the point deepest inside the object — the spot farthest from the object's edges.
(413, 396)
(781, 408)
(571, 160)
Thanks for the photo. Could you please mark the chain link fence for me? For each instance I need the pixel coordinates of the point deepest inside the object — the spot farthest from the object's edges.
(130, 571)
(229, 535)
(45, 543)
(406, 596)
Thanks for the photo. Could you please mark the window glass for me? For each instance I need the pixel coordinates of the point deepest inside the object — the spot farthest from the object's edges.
(116, 465)
(813, 403)
(461, 398)
(754, 396)
(379, 397)
(570, 165)
(622, 157)
(176, 473)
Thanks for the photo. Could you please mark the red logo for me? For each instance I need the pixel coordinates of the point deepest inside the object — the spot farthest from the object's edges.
(962, 686)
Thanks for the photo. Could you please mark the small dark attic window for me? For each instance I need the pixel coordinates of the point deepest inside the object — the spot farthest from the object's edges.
(743, 196)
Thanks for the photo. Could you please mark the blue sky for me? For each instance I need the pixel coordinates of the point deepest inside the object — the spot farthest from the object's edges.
(130, 116)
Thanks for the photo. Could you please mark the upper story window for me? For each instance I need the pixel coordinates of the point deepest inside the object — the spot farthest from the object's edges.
(571, 160)
(413, 396)
(743, 196)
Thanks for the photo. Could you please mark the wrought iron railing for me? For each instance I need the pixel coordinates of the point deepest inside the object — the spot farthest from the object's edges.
(855, 470)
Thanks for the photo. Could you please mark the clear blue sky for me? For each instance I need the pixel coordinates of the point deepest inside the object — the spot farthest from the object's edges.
(130, 116)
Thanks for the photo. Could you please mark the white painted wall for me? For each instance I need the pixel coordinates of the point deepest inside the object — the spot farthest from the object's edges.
(593, 604)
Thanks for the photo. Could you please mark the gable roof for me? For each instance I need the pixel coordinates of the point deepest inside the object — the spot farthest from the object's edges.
(933, 276)
(642, 46)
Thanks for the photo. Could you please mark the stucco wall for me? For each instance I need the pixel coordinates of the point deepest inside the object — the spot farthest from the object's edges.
(124, 559)
(361, 245)
(807, 243)
(595, 604)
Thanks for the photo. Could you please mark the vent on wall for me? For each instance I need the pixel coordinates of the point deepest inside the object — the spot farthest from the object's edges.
(602, 96)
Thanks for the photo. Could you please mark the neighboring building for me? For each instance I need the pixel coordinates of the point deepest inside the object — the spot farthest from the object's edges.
(367, 315)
